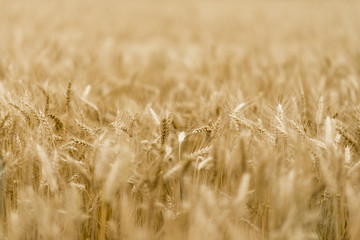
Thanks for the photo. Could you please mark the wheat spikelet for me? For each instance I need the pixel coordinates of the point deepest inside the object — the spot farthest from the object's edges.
(181, 137)
(318, 143)
(111, 183)
(86, 128)
(46, 125)
(348, 138)
(18, 143)
(295, 108)
(328, 131)
(201, 151)
(204, 163)
(47, 104)
(268, 135)
(80, 142)
(303, 107)
(57, 138)
(33, 112)
(58, 123)
(298, 129)
(155, 117)
(176, 171)
(280, 113)
(164, 131)
(86, 92)
(242, 122)
(91, 105)
(47, 169)
(280, 126)
(24, 113)
(71, 145)
(4, 119)
(120, 129)
(80, 166)
(131, 125)
(117, 124)
(216, 127)
(243, 188)
(68, 96)
(347, 155)
(238, 108)
(84, 99)
(201, 129)
(47, 100)
(319, 112)
(78, 186)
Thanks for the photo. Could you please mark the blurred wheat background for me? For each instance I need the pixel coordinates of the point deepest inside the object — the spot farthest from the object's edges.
(179, 119)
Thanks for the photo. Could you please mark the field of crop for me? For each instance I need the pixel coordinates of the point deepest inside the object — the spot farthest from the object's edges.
(179, 119)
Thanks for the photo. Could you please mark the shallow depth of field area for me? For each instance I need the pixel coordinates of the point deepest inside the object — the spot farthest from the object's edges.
(179, 120)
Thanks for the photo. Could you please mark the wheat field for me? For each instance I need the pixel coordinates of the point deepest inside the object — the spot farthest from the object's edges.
(179, 119)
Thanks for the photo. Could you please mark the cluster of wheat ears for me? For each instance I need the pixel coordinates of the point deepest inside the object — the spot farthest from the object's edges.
(179, 120)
